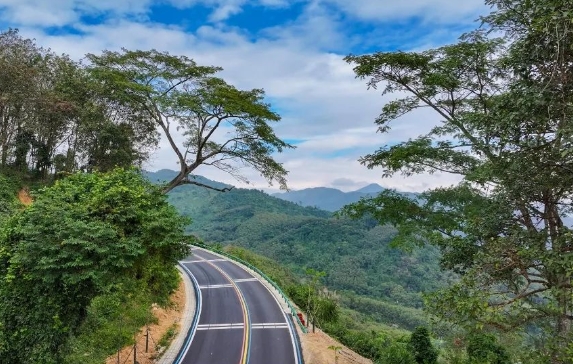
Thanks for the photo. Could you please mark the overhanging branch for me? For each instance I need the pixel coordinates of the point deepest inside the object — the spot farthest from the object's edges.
(186, 181)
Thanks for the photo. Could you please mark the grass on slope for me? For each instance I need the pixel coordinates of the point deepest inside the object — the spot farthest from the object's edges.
(356, 330)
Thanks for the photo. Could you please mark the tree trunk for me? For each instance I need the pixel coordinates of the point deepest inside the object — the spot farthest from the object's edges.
(176, 181)
(4, 138)
(563, 322)
(185, 170)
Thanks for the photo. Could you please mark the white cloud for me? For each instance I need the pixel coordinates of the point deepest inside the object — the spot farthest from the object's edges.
(317, 27)
(442, 11)
(345, 182)
(276, 3)
(323, 102)
(224, 9)
(65, 12)
(315, 90)
(314, 172)
(46, 13)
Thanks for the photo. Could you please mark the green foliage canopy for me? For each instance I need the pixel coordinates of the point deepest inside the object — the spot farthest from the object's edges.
(484, 349)
(505, 129)
(56, 118)
(221, 125)
(421, 346)
(80, 238)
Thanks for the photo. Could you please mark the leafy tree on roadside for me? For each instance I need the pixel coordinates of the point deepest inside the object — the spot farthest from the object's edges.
(220, 125)
(55, 118)
(484, 349)
(319, 304)
(8, 201)
(422, 348)
(505, 110)
(87, 235)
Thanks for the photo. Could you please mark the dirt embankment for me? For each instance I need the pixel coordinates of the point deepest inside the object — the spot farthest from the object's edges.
(315, 347)
(167, 319)
(24, 196)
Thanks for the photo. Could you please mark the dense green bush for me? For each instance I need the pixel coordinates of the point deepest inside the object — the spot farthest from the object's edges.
(422, 348)
(484, 349)
(111, 321)
(8, 201)
(87, 236)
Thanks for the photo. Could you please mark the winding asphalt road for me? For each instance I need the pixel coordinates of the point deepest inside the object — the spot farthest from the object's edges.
(240, 321)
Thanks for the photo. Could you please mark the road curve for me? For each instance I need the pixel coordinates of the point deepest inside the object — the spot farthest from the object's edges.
(240, 321)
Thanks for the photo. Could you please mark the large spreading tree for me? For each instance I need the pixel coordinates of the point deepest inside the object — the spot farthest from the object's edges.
(505, 107)
(205, 120)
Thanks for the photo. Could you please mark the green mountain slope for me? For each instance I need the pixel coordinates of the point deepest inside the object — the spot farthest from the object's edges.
(332, 199)
(355, 255)
(329, 199)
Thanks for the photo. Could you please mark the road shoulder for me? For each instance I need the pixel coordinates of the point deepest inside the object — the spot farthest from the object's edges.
(186, 321)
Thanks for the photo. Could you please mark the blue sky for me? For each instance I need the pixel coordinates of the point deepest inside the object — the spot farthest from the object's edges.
(292, 49)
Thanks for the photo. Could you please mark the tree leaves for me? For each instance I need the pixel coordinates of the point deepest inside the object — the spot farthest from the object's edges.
(81, 236)
(223, 127)
(505, 110)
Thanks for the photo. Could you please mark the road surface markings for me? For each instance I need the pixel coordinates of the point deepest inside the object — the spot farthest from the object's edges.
(245, 351)
(203, 261)
(216, 286)
(220, 326)
(246, 280)
(276, 325)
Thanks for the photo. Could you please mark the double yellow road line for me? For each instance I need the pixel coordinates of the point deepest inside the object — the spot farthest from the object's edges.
(246, 318)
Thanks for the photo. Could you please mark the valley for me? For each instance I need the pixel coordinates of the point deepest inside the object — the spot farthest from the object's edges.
(382, 283)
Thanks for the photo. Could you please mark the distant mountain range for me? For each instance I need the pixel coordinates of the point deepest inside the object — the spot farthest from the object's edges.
(356, 255)
(323, 198)
(329, 199)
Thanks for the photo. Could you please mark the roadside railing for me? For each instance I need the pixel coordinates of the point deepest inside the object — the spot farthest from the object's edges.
(271, 282)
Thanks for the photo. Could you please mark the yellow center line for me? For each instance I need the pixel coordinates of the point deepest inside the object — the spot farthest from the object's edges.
(246, 332)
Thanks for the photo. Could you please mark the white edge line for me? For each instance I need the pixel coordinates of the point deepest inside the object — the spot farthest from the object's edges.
(199, 308)
(292, 336)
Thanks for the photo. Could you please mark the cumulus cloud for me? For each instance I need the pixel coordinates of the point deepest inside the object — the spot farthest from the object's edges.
(347, 184)
(65, 12)
(443, 11)
(298, 63)
(224, 9)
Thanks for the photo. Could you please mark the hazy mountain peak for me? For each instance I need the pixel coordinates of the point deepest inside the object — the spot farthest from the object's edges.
(325, 198)
(371, 188)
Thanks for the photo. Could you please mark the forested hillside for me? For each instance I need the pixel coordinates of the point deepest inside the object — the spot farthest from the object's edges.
(81, 265)
(354, 254)
(329, 199)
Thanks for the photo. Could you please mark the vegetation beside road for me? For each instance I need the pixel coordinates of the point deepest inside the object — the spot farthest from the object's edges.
(81, 266)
